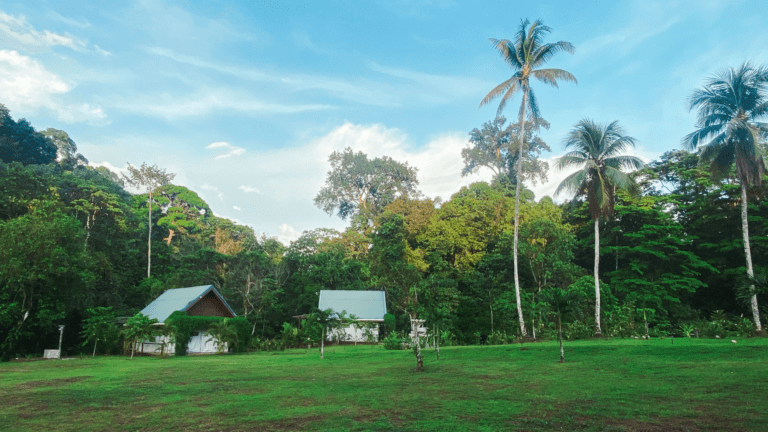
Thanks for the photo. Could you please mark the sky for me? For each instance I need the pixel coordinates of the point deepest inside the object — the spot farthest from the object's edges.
(245, 101)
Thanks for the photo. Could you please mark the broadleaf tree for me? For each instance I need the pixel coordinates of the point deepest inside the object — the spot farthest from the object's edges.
(150, 178)
(359, 188)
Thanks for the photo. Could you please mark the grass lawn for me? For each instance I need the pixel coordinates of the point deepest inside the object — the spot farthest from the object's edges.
(606, 385)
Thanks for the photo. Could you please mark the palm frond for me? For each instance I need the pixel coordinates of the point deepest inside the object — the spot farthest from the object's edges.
(573, 184)
(716, 145)
(509, 95)
(760, 111)
(507, 51)
(499, 90)
(621, 180)
(545, 52)
(625, 162)
(599, 196)
(693, 139)
(571, 159)
(533, 107)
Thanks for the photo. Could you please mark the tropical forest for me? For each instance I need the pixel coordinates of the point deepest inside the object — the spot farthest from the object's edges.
(670, 248)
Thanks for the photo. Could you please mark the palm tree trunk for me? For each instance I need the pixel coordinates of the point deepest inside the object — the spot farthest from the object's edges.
(598, 331)
(149, 236)
(517, 216)
(748, 253)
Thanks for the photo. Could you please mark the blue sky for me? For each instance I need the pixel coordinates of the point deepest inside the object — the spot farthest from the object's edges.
(246, 100)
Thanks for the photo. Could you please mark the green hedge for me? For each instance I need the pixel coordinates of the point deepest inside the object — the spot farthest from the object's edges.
(185, 325)
(389, 322)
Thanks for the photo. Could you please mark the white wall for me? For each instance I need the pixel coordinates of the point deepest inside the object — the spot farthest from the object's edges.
(198, 344)
(353, 333)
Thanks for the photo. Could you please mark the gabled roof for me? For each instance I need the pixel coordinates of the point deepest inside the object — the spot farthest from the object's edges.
(179, 299)
(365, 305)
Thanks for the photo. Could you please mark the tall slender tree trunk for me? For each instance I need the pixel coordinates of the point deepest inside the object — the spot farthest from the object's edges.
(748, 253)
(437, 341)
(149, 236)
(322, 344)
(94, 347)
(419, 358)
(598, 331)
(87, 229)
(491, 305)
(560, 338)
(523, 333)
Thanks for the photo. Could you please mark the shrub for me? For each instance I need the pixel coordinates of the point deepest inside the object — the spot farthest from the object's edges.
(186, 325)
(499, 338)
(447, 338)
(389, 323)
(393, 341)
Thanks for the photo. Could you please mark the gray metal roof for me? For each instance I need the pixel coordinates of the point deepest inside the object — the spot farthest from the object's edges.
(179, 299)
(365, 305)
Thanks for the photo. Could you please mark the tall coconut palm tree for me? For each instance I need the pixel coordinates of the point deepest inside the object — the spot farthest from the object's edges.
(729, 132)
(597, 150)
(526, 55)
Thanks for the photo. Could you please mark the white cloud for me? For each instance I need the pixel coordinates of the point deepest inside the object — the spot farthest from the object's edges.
(109, 166)
(102, 51)
(236, 208)
(289, 178)
(437, 88)
(26, 85)
(287, 234)
(81, 24)
(205, 101)
(232, 150)
(213, 189)
(358, 90)
(438, 162)
(16, 31)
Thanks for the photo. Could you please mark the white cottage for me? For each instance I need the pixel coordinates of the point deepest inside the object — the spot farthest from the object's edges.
(368, 306)
(195, 301)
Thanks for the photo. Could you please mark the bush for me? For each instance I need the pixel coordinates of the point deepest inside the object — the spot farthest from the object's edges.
(499, 338)
(393, 341)
(185, 325)
(389, 323)
(578, 330)
(447, 338)
(290, 336)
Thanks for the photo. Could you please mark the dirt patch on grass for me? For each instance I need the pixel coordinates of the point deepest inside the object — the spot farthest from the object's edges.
(58, 382)
(294, 424)
(706, 423)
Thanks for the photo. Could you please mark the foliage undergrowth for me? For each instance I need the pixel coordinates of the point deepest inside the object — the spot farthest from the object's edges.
(185, 325)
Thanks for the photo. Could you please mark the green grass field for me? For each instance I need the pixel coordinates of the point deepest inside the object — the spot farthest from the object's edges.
(606, 385)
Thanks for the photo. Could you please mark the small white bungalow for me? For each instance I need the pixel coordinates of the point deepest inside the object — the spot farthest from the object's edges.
(195, 301)
(368, 306)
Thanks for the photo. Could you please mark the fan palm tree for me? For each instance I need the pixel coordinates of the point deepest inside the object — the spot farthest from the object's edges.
(597, 150)
(729, 132)
(525, 55)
